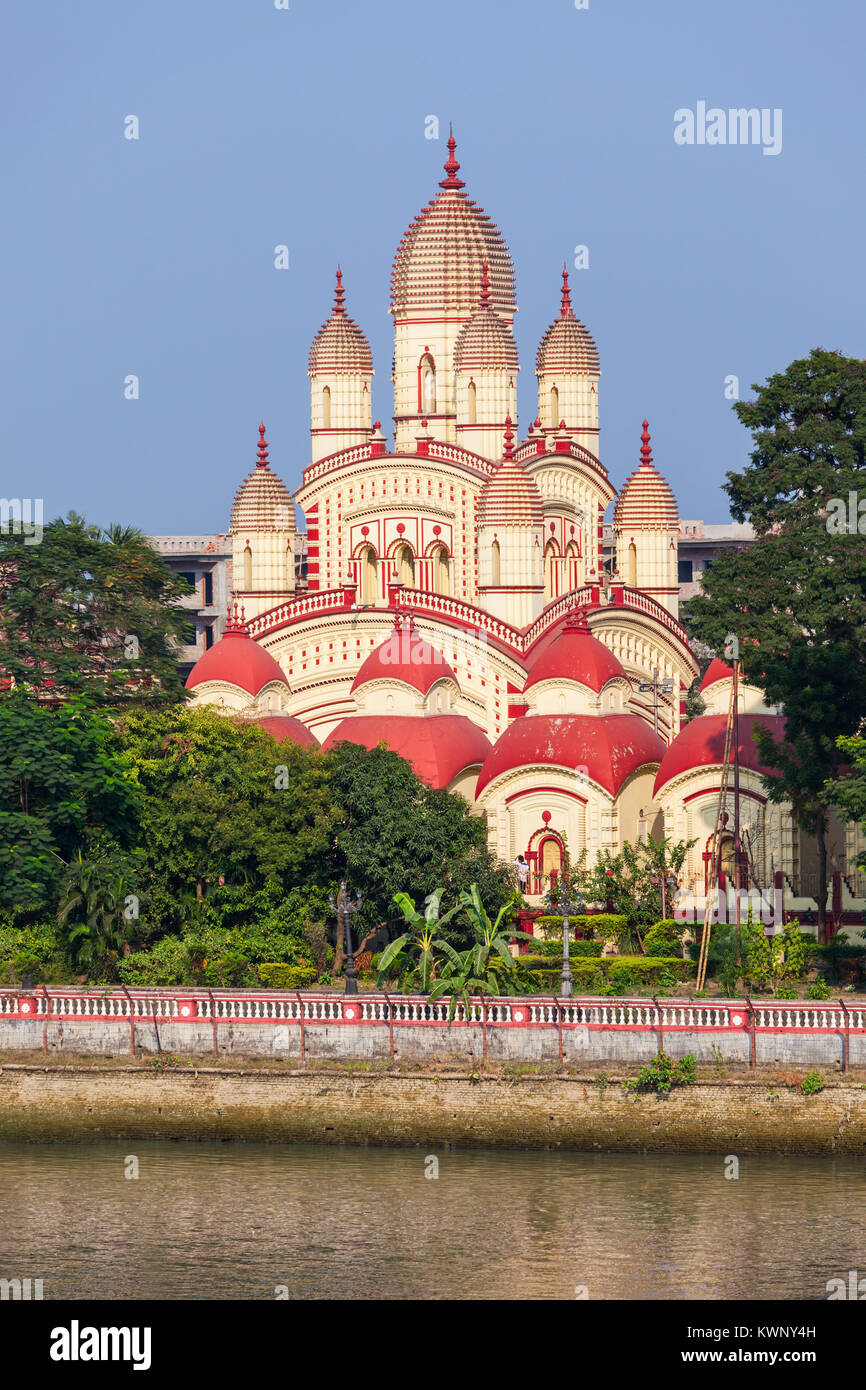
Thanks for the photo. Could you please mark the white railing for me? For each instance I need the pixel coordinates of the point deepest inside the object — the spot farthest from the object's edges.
(271, 1006)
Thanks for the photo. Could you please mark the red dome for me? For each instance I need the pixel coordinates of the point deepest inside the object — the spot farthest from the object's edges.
(702, 744)
(576, 655)
(283, 727)
(236, 660)
(610, 746)
(406, 657)
(437, 746)
(716, 671)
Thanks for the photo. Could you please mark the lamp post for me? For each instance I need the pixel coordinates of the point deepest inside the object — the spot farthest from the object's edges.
(654, 687)
(566, 985)
(345, 910)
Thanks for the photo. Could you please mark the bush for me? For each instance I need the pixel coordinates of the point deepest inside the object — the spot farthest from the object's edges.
(278, 975)
(663, 939)
(27, 951)
(619, 973)
(166, 963)
(552, 947)
(812, 1083)
(597, 925)
(839, 961)
(663, 1074)
(818, 990)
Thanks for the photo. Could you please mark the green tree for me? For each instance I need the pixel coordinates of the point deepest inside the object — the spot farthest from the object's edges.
(395, 834)
(795, 601)
(630, 881)
(848, 792)
(62, 786)
(90, 612)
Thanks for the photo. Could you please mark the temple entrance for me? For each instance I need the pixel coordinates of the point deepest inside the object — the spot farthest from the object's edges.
(551, 858)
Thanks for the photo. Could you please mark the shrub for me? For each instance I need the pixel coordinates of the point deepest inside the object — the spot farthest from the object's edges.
(552, 947)
(621, 977)
(165, 963)
(278, 975)
(812, 1083)
(597, 925)
(818, 990)
(661, 1075)
(663, 939)
(621, 973)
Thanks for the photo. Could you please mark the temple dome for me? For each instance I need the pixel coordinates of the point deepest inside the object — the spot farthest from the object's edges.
(702, 744)
(236, 660)
(611, 747)
(283, 727)
(510, 497)
(262, 502)
(438, 747)
(440, 259)
(405, 656)
(576, 655)
(646, 502)
(716, 671)
(340, 345)
(567, 347)
(486, 341)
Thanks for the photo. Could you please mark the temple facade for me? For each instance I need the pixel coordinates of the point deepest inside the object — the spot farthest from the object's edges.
(456, 604)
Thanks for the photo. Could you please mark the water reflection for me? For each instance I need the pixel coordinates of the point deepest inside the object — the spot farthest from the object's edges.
(236, 1221)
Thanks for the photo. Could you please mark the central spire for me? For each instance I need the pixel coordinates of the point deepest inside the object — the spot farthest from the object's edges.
(339, 294)
(566, 310)
(646, 453)
(451, 166)
(485, 288)
(262, 461)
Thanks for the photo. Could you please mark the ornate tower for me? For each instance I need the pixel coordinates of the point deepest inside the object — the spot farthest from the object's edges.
(435, 289)
(510, 541)
(485, 368)
(646, 527)
(262, 529)
(341, 377)
(568, 370)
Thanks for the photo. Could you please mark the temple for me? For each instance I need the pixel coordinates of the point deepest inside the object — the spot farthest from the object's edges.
(457, 607)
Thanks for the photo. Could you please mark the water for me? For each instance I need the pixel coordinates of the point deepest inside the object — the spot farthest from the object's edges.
(232, 1221)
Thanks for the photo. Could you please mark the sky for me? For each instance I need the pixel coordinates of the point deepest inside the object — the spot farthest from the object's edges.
(306, 127)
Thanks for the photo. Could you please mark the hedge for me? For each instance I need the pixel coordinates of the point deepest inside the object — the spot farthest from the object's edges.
(623, 972)
(553, 948)
(601, 924)
(277, 975)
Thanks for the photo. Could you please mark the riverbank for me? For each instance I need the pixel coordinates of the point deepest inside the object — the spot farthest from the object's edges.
(583, 1109)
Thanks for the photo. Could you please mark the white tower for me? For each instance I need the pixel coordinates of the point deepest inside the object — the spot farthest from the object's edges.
(510, 542)
(262, 529)
(341, 378)
(485, 368)
(568, 370)
(646, 527)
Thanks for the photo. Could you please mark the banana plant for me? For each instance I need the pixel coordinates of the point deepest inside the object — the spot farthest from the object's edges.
(490, 955)
(415, 950)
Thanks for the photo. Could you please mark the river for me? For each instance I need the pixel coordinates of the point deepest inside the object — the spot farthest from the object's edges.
(249, 1221)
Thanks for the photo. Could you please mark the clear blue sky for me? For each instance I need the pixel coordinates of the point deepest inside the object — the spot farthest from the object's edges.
(306, 127)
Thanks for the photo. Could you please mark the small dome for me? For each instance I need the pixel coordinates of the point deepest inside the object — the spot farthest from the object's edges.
(262, 502)
(510, 497)
(646, 502)
(576, 655)
(439, 261)
(702, 744)
(611, 747)
(405, 656)
(437, 746)
(568, 347)
(716, 671)
(284, 728)
(339, 345)
(485, 342)
(236, 660)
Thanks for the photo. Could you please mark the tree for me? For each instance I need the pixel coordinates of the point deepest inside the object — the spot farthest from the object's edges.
(395, 834)
(848, 792)
(630, 882)
(795, 601)
(90, 612)
(62, 786)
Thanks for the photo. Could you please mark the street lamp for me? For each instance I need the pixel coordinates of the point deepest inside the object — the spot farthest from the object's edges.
(566, 987)
(656, 687)
(345, 910)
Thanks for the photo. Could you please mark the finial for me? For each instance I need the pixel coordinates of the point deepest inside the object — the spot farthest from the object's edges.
(262, 447)
(646, 453)
(566, 309)
(339, 293)
(451, 166)
(577, 621)
(485, 288)
(509, 439)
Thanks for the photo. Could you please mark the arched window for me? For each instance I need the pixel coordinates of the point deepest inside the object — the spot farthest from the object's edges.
(473, 412)
(572, 556)
(554, 407)
(631, 568)
(495, 564)
(326, 408)
(427, 401)
(550, 576)
(551, 857)
(406, 566)
(441, 571)
(248, 567)
(369, 576)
